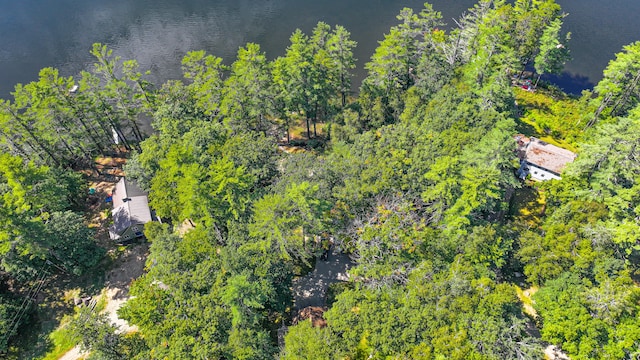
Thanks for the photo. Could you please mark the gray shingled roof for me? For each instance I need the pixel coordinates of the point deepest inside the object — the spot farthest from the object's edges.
(130, 206)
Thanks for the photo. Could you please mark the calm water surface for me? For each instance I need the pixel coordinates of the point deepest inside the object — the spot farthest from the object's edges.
(39, 33)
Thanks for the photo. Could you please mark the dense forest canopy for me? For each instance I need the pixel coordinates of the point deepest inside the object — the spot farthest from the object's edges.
(413, 176)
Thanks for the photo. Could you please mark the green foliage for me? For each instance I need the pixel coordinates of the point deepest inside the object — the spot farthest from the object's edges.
(607, 173)
(257, 154)
(124, 100)
(60, 122)
(248, 98)
(8, 308)
(37, 226)
(553, 53)
(582, 255)
(200, 299)
(304, 341)
(313, 73)
(405, 50)
(618, 89)
(286, 223)
(98, 335)
(205, 72)
(411, 177)
(532, 18)
(393, 241)
(449, 313)
(340, 50)
(546, 257)
(585, 318)
(556, 119)
(61, 340)
(71, 242)
(211, 188)
(484, 246)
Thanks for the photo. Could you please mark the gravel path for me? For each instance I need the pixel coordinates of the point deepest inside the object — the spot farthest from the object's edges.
(73, 354)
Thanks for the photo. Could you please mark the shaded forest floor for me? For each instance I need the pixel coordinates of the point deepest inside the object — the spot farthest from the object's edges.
(311, 289)
(527, 206)
(299, 139)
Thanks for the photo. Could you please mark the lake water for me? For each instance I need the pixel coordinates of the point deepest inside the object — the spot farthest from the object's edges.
(39, 33)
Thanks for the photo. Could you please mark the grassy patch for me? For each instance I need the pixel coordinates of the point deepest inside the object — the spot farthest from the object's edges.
(61, 340)
(552, 117)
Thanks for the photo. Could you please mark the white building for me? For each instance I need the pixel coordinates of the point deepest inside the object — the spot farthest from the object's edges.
(540, 160)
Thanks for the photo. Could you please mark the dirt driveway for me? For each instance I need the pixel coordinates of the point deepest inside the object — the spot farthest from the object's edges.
(126, 269)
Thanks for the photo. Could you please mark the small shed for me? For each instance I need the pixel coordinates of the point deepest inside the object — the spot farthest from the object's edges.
(130, 211)
(542, 160)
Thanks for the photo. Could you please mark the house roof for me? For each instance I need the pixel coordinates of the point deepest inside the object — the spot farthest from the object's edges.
(126, 188)
(547, 156)
(130, 206)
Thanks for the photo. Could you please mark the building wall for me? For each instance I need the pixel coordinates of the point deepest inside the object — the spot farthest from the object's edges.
(131, 232)
(540, 174)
